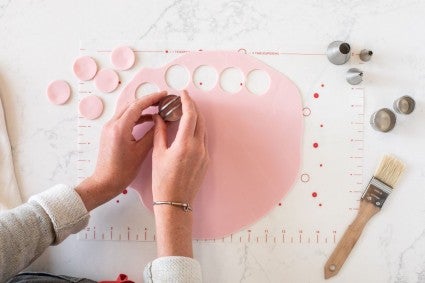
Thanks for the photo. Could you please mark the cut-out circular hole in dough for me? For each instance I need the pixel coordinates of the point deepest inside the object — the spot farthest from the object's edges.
(177, 77)
(58, 92)
(122, 58)
(145, 89)
(106, 80)
(232, 80)
(258, 82)
(85, 68)
(91, 107)
(205, 77)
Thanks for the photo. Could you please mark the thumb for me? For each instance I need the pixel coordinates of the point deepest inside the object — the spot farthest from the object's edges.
(145, 143)
(160, 133)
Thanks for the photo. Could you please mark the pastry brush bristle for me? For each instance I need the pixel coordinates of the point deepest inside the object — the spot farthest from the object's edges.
(389, 170)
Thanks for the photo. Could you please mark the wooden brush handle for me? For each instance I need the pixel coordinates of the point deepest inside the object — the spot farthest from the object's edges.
(349, 239)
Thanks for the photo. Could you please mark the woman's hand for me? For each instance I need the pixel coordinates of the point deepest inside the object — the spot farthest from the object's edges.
(178, 170)
(120, 155)
(177, 174)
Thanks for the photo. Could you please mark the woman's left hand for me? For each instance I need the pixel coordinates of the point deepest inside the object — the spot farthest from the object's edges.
(120, 154)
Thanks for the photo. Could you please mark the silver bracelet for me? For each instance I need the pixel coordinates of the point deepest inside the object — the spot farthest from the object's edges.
(185, 206)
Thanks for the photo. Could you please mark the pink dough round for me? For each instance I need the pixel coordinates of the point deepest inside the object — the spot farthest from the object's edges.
(106, 80)
(91, 107)
(58, 92)
(122, 58)
(85, 68)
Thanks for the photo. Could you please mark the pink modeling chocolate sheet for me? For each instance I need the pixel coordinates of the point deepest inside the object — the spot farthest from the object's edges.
(254, 142)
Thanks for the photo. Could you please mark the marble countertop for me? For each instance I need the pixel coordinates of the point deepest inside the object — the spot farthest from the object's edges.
(40, 39)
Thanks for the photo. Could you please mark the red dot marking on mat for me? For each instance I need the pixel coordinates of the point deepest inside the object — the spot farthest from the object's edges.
(314, 194)
(321, 125)
(280, 204)
(200, 83)
(241, 83)
(315, 145)
(119, 82)
(322, 85)
(125, 192)
(166, 51)
(316, 95)
(320, 204)
(321, 165)
(118, 200)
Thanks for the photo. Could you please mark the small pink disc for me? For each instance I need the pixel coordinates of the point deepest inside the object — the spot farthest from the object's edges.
(58, 92)
(85, 68)
(91, 107)
(122, 58)
(106, 80)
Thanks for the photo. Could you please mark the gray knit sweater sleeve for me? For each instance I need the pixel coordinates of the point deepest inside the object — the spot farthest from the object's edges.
(46, 219)
(173, 269)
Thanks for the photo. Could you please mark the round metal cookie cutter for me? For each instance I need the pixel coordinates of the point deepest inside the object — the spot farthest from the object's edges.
(404, 105)
(383, 120)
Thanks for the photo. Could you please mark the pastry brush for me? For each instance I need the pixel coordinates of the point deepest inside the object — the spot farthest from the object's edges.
(380, 186)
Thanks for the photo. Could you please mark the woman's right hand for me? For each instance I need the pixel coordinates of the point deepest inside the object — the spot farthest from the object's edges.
(177, 174)
(178, 170)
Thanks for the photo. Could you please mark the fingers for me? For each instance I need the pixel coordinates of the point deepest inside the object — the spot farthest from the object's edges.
(145, 143)
(201, 134)
(200, 130)
(206, 144)
(144, 118)
(132, 114)
(188, 120)
(160, 133)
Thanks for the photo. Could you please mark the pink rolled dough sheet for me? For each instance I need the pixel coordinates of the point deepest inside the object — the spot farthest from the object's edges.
(254, 143)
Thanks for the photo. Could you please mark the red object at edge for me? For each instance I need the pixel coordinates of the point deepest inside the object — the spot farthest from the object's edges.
(122, 278)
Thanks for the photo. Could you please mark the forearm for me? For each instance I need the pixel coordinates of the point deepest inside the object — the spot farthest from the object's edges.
(173, 231)
(175, 261)
(26, 231)
(94, 194)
